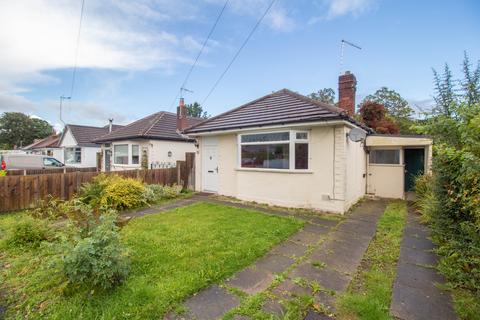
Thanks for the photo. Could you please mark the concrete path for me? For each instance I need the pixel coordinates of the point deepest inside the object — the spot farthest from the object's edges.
(415, 294)
(323, 255)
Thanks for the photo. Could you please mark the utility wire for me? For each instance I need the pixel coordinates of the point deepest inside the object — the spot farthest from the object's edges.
(238, 52)
(199, 54)
(74, 72)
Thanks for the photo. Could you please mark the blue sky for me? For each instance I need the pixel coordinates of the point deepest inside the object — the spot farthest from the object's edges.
(134, 54)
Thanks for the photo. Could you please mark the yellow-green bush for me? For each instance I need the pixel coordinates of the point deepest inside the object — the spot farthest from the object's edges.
(123, 193)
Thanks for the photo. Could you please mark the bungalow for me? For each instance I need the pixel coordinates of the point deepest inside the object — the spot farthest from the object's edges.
(155, 141)
(47, 146)
(289, 150)
(78, 146)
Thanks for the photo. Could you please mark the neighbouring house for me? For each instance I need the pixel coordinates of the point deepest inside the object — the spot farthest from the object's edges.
(289, 150)
(155, 141)
(78, 146)
(47, 147)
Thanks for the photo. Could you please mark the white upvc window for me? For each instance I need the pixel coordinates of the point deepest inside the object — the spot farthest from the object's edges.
(73, 155)
(126, 154)
(281, 150)
(120, 154)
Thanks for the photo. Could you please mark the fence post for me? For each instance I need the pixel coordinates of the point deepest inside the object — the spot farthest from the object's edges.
(190, 167)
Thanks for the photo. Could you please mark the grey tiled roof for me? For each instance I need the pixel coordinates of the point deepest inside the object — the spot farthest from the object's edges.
(281, 107)
(161, 125)
(85, 135)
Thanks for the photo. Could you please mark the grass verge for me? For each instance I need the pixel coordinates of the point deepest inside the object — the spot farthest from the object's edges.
(369, 294)
(174, 255)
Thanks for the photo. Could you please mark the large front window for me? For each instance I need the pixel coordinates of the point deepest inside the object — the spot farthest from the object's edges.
(120, 154)
(73, 155)
(274, 150)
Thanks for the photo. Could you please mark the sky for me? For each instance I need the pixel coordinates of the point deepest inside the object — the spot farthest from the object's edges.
(133, 55)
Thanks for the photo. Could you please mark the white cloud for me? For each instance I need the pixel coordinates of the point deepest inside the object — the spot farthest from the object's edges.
(338, 8)
(40, 35)
(12, 102)
(92, 113)
(343, 7)
(277, 18)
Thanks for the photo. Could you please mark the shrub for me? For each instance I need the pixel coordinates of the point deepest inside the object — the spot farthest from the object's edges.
(113, 192)
(156, 192)
(91, 193)
(28, 232)
(3, 173)
(51, 208)
(123, 193)
(98, 259)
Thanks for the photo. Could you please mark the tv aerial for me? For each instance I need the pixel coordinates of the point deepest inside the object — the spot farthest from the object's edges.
(342, 51)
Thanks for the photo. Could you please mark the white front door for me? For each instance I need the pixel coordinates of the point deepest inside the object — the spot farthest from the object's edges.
(210, 176)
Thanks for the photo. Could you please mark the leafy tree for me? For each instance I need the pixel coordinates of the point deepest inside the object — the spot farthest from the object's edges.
(397, 107)
(18, 129)
(374, 115)
(470, 85)
(196, 110)
(326, 95)
(445, 96)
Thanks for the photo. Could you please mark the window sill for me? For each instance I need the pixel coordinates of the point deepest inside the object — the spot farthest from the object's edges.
(385, 165)
(125, 165)
(275, 170)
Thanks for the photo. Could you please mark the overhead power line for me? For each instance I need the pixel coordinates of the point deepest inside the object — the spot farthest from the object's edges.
(74, 72)
(238, 52)
(199, 54)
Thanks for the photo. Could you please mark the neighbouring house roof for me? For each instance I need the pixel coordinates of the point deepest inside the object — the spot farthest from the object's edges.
(48, 142)
(278, 108)
(160, 126)
(85, 135)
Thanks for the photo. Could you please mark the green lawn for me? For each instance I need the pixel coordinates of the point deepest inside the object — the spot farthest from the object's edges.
(173, 255)
(370, 293)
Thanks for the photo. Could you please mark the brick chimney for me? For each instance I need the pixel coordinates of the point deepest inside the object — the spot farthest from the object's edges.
(182, 123)
(347, 87)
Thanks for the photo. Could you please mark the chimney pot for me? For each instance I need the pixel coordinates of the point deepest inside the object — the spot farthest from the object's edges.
(182, 123)
(347, 87)
(110, 124)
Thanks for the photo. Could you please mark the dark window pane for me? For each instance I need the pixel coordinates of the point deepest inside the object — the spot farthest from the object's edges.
(272, 156)
(385, 156)
(135, 154)
(265, 137)
(302, 135)
(301, 155)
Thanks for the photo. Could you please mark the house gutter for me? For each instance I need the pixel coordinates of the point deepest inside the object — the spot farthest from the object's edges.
(279, 126)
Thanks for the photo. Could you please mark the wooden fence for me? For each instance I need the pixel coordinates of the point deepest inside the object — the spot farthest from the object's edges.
(23, 192)
(29, 172)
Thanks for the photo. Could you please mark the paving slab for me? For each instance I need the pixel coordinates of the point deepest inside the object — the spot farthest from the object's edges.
(326, 277)
(251, 280)
(274, 263)
(273, 307)
(419, 277)
(336, 256)
(413, 304)
(313, 315)
(288, 288)
(420, 243)
(211, 303)
(419, 257)
(305, 238)
(327, 300)
(290, 249)
(415, 294)
(322, 221)
(317, 229)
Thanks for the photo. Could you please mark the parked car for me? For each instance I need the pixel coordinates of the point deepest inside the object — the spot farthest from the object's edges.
(28, 161)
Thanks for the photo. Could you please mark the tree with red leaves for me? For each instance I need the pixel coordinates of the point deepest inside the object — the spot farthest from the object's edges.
(374, 115)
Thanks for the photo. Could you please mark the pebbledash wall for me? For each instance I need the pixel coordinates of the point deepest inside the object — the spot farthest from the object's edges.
(336, 178)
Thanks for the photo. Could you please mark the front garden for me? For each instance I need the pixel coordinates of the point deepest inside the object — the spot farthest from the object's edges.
(77, 260)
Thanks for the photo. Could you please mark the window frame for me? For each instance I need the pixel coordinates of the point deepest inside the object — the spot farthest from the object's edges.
(130, 146)
(128, 154)
(400, 157)
(291, 142)
(75, 149)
